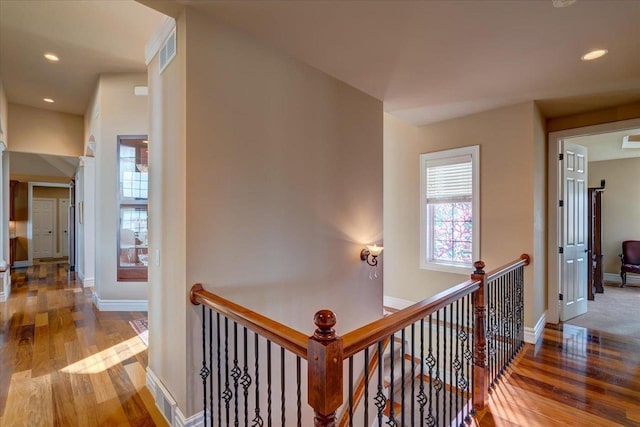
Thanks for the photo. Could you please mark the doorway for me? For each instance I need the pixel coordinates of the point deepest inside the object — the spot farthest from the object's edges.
(48, 222)
(557, 214)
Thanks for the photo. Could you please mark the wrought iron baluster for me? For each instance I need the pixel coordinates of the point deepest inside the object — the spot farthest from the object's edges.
(283, 417)
(269, 421)
(413, 371)
(204, 371)
(219, 372)
(245, 380)
(422, 400)
(468, 355)
(299, 380)
(451, 367)
(235, 373)
(444, 365)
(227, 395)
(257, 420)
(351, 391)
(402, 373)
(380, 399)
(456, 362)
(392, 357)
(211, 369)
(366, 386)
(435, 383)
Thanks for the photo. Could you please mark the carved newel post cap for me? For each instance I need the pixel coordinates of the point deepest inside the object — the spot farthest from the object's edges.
(479, 266)
(324, 320)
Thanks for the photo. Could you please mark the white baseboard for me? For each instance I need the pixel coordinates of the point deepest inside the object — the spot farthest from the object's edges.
(167, 404)
(5, 287)
(396, 303)
(196, 420)
(631, 279)
(531, 335)
(119, 304)
(21, 264)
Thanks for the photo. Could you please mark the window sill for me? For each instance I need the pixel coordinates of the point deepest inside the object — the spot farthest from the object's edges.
(448, 268)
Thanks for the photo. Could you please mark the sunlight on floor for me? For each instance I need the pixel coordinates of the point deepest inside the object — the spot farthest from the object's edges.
(105, 359)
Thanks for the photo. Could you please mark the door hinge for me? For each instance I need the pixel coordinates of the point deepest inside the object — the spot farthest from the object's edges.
(560, 297)
(561, 156)
(561, 203)
(560, 250)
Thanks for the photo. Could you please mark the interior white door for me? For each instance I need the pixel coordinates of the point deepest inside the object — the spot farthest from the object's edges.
(63, 218)
(574, 248)
(43, 225)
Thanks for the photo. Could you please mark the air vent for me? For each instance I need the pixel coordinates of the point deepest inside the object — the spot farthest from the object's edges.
(168, 51)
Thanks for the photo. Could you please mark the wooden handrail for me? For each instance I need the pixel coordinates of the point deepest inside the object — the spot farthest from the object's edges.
(524, 260)
(358, 339)
(284, 336)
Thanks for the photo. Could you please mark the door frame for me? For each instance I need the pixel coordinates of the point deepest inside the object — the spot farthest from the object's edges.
(30, 215)
(554, 213)
(60, 252)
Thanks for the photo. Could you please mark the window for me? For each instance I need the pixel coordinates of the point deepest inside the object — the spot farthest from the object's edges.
(450, 214)
(133, 193)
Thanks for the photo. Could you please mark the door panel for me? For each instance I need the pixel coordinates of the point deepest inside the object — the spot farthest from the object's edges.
(574, 232)
(43, 227)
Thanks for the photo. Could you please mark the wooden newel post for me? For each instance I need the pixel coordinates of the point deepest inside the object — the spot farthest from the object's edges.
(480, 374)
(324, 356)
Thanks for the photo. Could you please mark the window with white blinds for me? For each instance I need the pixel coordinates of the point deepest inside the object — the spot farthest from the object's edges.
(449, 209)
(449, 180)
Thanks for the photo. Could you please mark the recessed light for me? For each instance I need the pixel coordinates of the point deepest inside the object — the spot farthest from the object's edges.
(51, 57)
(594, 54)
(562, 3)
(49, 100)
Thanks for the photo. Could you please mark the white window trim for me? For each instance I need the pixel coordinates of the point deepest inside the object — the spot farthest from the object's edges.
(474, 151)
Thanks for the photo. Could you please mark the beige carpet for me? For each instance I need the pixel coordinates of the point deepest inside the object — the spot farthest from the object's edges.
(616, 311)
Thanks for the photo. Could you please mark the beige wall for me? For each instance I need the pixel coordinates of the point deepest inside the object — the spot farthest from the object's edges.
(3, 114)
(403, 278)
(620, 206)
(605, 115)
(512, 206)
(283, 168)
(121, 113)
(35, 130)
(168, 304)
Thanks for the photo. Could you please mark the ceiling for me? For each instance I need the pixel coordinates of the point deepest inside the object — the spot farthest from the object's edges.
(608, 146)
(427, 60)
(90, 37)
(434, 60)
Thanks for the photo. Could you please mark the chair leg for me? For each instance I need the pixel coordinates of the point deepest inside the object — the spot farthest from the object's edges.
(623, 275)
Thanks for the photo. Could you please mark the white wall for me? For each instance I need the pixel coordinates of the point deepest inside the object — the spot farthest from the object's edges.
(512, 171)
(121, 113)
(283, 187)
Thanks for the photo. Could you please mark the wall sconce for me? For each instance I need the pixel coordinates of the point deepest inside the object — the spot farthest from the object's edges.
(372, 251)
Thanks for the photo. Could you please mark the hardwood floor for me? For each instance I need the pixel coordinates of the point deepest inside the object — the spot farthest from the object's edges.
(63, 362)
(572, 377)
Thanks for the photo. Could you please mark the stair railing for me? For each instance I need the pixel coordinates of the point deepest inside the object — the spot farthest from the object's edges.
(443, 355)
